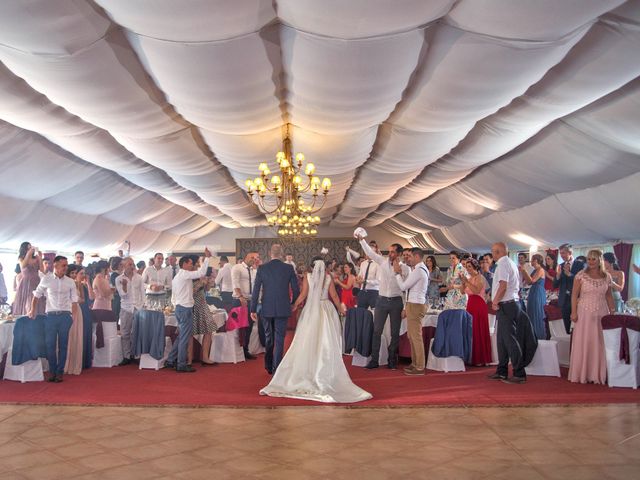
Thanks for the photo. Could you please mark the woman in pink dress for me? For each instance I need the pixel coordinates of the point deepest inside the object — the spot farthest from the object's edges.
(73, 365)
(101, 288)
(30, 260)
(591, 300)
(475, 286)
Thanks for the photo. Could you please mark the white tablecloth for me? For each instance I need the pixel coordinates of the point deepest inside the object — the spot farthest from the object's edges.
(219, 317)
(6, 337)
(429, 320)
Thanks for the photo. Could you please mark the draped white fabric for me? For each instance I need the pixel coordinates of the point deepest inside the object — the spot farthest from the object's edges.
(450, 123)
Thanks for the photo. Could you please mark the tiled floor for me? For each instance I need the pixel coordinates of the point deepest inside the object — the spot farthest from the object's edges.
(595, 442)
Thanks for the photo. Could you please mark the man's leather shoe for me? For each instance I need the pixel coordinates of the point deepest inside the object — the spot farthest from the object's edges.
(248, 356)
(514, 380)
(392, 366)
(58, 379)
(124, 362)
(409, 368)
(414, 371)
(372, 365)
(187, 369)
(52, 378)
(169, 365)
(496, 376)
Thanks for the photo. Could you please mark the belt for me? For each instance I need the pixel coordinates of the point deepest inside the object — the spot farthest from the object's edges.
(390, 298)
(59, 312)
(507, 302)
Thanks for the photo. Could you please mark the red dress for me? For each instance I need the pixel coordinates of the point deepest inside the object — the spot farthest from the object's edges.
(347, 298)
(481, 346)
(548, 284)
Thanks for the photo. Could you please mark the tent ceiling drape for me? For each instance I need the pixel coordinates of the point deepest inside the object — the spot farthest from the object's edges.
(450, 123)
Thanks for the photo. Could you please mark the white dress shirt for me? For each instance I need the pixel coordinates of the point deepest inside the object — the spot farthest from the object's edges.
(506, 271)
(182, 285)
(61, 293)
(386, 276)
(416, 284)
(134, 296)
(242, 278)
(153, 276)
(223, 278)
(372, 278)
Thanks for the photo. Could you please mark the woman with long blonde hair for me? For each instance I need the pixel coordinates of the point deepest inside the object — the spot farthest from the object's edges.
(591, 300)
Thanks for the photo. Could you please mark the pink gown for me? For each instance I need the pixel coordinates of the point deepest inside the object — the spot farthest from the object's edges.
(588, 362)
(29, 280)
(103, 294)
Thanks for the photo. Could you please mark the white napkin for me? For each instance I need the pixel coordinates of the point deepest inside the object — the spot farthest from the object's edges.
(359, 231)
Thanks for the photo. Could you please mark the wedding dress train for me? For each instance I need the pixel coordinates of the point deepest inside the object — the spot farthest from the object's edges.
(312, 368)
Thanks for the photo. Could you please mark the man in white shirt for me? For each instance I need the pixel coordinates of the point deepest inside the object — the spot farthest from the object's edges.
(223, 281)
(288, 259)
(156, 278)
(367, 278)
(243, 277)
(131, 290)
(4, 294)
(389, 303)
(415, 285)
(62, 300)
(182, 298)
(506, 301)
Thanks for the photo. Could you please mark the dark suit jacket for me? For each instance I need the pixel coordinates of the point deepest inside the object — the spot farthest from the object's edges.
(275, 278)
(565, 282)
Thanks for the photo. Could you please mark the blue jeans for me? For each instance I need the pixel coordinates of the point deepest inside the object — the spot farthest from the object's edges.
(184, 316)
(56, 338)
(275, 329)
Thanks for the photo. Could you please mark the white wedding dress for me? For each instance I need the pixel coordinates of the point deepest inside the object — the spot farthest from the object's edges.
(312, 368)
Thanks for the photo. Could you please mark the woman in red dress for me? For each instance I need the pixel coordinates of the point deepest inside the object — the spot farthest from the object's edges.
(474, 287)
(346, 283)
(550, 266)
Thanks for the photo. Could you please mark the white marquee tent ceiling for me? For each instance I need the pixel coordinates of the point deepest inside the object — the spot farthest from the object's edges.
(450, 123)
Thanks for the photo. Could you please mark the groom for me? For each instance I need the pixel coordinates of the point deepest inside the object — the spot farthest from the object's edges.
(274, 278)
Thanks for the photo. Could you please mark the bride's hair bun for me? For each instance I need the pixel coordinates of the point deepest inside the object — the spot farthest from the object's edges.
(317, 258)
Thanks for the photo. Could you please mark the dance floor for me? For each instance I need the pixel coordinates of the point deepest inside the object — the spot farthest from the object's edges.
(238, 385)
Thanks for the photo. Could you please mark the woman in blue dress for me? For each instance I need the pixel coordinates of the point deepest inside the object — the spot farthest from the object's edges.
(537, 298)
(85, 297)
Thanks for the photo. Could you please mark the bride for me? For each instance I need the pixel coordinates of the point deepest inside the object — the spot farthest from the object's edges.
(312, 368)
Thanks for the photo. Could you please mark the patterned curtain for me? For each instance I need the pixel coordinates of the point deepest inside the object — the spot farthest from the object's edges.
(303, 250)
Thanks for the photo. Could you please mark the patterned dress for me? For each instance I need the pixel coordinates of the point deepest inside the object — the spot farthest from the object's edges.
(202, 316)
(456, 300)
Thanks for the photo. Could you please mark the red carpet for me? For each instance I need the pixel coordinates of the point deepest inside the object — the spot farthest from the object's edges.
(238, 385)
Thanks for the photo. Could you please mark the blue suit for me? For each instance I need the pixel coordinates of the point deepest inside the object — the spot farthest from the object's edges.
(565, 288)
(274, 279)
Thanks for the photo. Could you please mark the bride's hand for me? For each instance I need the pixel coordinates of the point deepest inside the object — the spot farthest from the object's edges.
(343, 310)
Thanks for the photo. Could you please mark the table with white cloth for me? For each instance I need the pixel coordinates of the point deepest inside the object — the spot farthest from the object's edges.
(6, 340)
(429, 323)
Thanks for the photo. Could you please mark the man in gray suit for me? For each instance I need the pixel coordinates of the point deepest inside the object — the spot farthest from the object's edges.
(274, 278)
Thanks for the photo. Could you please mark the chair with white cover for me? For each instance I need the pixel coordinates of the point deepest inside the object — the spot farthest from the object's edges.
(358, 360)
(493, 332)
(148, 362)
(545, 361)
(560, 335)
(444, 364)
(225, 348)
(111, 354)
(29, 371)
(622, 350)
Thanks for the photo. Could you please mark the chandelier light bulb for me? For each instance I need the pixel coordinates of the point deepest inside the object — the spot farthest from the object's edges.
(326, 183)
(262, 167)
(280, 156)
(300, 158)
(276, 180)
(284, 163)
(310, 169)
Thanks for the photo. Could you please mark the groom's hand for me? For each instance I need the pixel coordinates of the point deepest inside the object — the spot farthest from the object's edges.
(254, 317)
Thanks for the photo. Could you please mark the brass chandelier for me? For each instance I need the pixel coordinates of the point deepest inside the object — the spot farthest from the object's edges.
(280, 196)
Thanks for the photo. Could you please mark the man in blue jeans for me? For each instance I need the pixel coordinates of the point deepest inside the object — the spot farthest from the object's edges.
(182, 298)
(62, 299)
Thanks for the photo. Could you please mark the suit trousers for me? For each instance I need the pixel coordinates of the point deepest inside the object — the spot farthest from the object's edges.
(56, 338)
(415, 312)
(367, 298)
(386, 307)
(184, 316)
(126, 324)
(275, 330)
(566, 312)
(508, 346)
